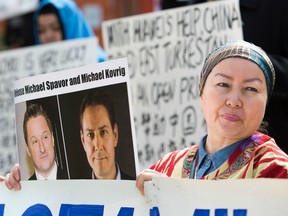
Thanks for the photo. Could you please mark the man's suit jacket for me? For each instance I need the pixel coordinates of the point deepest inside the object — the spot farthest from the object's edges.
(61, 174)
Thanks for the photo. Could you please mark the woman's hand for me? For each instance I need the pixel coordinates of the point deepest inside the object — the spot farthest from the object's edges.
(12, 179)
(146, 175)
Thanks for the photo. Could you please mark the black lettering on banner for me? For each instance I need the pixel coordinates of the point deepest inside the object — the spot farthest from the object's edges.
(186, 53)
(132, 61)
(142, 94)
(48, 59)
(189, 88)
(149, 60)
(163, 92)
(9, 65)
(159, 125)
(72, 54)
(189, 121)
(152, 28)
(220, 18)
(74, 80)
(187, 22)
(28, 62)
(174, 118)
(118, 34)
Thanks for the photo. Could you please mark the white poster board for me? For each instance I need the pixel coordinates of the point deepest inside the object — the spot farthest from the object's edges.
(13, 8)
(164, 197)
(165, 52)
(19, 63)
(61, 94)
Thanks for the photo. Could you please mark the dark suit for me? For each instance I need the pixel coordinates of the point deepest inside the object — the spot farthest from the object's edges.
(61, 174)
(125, 176)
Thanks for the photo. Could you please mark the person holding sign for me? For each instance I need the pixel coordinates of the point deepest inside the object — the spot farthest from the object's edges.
(99, 136)
(38, 134)
(57, 20)
(236, 84)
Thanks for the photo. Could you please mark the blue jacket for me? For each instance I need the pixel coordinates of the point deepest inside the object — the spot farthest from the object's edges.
(73, 22)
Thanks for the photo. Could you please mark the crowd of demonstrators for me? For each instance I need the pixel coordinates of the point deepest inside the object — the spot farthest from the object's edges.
(273, 39)
(236, 83)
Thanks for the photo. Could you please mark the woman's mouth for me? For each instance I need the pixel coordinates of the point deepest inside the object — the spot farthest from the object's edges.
(231, 117)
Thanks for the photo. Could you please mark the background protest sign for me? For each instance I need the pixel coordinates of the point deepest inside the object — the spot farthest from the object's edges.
(61, 94)
(12, 8)
(164, 197)
(165, 52)
(24, 62)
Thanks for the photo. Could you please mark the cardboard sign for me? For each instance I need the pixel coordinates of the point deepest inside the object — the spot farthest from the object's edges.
(165, 52)
(61, 94)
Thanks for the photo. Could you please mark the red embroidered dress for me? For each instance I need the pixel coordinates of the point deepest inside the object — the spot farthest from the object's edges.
(256, 157)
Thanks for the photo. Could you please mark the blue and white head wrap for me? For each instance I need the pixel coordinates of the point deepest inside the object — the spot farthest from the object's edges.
(241, 49)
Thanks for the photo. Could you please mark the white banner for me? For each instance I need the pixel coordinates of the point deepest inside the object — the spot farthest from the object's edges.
(164, 197)
(13, 8)
(19, 63)
(165, 52)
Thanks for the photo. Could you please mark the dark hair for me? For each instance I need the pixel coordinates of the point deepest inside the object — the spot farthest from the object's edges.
(94, 98)
(50, 9)
(33, 111)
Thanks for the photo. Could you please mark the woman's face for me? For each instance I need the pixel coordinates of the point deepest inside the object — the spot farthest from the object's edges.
(49, 28)
(234, 99)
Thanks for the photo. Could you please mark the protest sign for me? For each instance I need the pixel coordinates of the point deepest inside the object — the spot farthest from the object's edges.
(164, 196)
(165, 52)
(24, 62)
(61, 94)
(13, 8)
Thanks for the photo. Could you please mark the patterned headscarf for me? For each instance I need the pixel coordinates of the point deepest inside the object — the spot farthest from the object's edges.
(244, 50)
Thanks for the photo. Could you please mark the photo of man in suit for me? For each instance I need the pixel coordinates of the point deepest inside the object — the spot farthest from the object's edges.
(38, 134)
(99, 136)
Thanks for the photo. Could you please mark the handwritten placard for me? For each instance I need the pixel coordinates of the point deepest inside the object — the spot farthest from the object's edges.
(165, 52)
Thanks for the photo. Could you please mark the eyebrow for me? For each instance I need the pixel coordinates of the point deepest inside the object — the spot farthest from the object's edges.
(255, 79)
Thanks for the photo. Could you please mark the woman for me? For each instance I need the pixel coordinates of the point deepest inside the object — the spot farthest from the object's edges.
(56, 20)
(236, 83)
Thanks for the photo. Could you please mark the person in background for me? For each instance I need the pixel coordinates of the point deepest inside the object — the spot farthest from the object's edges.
(56, 20)
(273, 39)
(99, 136)
(236, 84)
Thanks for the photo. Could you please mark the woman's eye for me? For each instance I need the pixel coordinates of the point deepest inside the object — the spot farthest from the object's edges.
(222, 84)
(252, 89)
